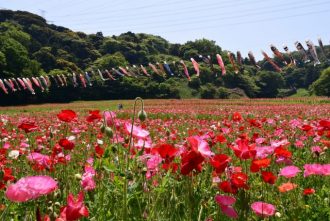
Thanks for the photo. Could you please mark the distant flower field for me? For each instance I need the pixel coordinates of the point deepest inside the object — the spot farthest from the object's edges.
(166, 160)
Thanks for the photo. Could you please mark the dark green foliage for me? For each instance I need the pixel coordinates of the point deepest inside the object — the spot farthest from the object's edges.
(199, 47)
(321, 87)
(223, 93)
(286, 92)
(295, 77)
(208, 91)
(269, 83)
(109, 61)
(195, 82)
(243, 81)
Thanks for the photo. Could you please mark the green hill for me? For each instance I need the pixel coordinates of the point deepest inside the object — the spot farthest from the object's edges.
(29, 46)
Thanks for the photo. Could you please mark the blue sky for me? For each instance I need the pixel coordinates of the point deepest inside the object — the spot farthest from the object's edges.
(234, 24)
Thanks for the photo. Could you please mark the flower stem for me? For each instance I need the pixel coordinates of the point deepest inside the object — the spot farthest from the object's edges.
(127, 161)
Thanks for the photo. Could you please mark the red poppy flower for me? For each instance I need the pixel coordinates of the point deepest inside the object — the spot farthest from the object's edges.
(239, 180)
(7, 175)
(220, 162)
(255, 123)
(75, 208)
(306, 127)
(220, 138)
(28, 126)
(227, 187)
(66, 144)
(67, 115)
(94, 115)
(268, 177)
(166, 151)
(243, 150)
(282, 152)
(325, 124)
(170, 166)
(99, 151)
(308, 191)
(256, 165)
(191, 160)
(237, 116)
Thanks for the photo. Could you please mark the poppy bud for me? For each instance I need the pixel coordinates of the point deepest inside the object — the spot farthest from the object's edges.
(168, 132)
(109, 132)
(51, 133)
(102, 128)
(129, 175)
(142, 115)
(50, 209)
(77, 176)
(114, 148)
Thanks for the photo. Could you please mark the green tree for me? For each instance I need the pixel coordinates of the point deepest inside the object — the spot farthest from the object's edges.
(3, 61)
(321, 87)
(46, 58)
(110, 61)
(269, 83)
(200, 46)
(16, 55)
(208, 91)
(243, 81)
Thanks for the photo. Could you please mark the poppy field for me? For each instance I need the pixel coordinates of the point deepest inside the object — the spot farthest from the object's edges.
(203, 160)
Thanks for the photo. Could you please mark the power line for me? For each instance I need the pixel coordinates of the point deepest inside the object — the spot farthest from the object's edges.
(113, 12)
(220, 18)
(249, 22)
(61, 6)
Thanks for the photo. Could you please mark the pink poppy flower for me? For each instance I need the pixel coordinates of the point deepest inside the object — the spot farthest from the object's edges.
(260, 140)
(41, 159)
(31, 187)
(264, 152)
(284, 160)
(225, 203)
(229, 211)
(6, 146)
(276, 144)
(326, 170)
(225, 200)
(289, 171)
(143, 143)
(109, 116)
(317, 169)
(200, 145)
(299, 143)
(263, 209)
(90, 161)
(316, 149)
(87, 180)
(152, 162)
(138, 132)
(295, 123)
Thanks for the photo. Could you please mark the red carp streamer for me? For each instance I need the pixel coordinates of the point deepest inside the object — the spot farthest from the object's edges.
(275, 66)
(232, 61)
(221, 64)
(196, 66)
